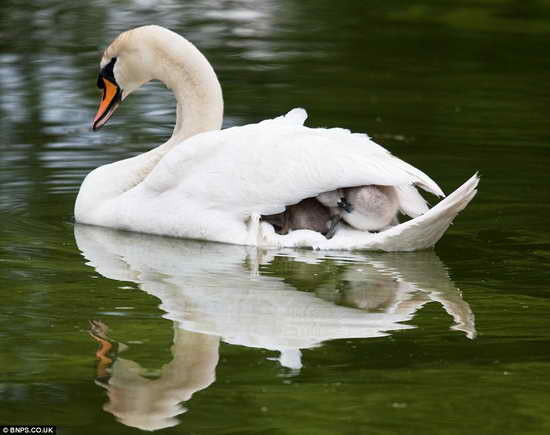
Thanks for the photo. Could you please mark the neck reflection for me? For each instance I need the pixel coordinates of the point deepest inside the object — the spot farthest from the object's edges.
(254, 298)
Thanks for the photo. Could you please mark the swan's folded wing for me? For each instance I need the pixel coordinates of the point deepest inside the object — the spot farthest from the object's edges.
(261, 168)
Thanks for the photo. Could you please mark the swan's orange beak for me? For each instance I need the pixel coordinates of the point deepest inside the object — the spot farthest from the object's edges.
(109, 102)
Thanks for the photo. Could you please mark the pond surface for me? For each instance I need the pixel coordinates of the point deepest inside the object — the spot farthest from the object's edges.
(206, 338)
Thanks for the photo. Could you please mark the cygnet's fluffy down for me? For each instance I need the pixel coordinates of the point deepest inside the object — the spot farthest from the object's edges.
(374, 208)
(308, 214)
(366, 208)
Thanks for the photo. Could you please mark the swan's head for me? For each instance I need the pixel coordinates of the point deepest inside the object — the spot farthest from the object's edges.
(127, 63)
(153, 52)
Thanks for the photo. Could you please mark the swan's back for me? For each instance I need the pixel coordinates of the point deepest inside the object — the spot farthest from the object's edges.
(263, 167)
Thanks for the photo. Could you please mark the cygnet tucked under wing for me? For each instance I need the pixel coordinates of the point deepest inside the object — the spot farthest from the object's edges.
(308, 214)
(373, 207)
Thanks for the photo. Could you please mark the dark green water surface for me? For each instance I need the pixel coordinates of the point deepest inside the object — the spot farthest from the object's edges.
(211, 339)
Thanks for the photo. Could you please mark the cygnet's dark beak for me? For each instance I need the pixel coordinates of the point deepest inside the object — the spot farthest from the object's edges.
(345, 205)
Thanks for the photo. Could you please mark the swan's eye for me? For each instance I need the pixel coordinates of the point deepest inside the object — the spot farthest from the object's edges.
(107, 72)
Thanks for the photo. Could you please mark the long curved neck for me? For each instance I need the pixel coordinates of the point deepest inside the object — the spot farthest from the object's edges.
(185, 70)
(195, 85)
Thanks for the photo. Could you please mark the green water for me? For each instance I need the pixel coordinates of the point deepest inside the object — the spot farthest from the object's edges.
(221, 339)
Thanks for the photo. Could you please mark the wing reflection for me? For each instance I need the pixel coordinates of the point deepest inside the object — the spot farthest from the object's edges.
(250, 297)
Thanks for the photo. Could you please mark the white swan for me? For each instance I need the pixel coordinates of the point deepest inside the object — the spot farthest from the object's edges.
(212, 184)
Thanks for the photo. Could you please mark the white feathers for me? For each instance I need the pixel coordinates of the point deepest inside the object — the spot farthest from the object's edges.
(411, 202)
(296, 116)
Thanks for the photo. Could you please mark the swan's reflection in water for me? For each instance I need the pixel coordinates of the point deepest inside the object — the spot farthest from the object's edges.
(250, 297)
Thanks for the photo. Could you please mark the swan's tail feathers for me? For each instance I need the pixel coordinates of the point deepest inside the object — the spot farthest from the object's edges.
(425, 230)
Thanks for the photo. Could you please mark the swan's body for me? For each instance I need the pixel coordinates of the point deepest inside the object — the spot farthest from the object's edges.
(212, 184)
